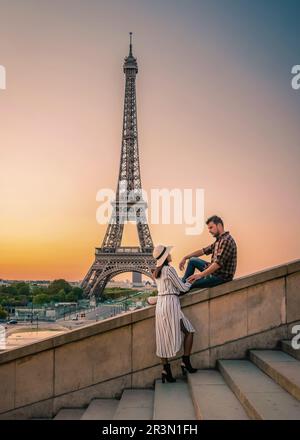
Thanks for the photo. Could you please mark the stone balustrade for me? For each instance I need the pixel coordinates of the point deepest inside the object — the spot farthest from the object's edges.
(101, 359)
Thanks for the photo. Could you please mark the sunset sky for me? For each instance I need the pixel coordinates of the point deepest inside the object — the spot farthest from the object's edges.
(216, 111)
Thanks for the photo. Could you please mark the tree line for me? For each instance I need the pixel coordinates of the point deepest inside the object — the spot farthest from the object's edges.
(23, 294)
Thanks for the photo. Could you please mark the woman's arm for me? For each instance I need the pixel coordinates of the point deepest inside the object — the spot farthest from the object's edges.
(172, 275)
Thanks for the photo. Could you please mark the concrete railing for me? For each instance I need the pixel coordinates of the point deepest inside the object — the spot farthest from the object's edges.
(102, 359)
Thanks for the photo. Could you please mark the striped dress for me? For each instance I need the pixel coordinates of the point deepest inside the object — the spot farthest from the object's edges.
(168, 313)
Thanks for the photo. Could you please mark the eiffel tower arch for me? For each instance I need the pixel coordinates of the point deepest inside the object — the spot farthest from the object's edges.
(111, 258)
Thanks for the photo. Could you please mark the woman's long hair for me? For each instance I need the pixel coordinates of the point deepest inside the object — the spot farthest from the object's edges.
(157, 271)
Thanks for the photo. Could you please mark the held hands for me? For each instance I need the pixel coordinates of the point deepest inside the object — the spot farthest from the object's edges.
(194, 277)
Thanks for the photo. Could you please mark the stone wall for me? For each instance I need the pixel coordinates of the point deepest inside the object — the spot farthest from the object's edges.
(102, 359)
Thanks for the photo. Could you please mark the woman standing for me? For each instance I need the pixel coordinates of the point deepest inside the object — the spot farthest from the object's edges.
(169, 319)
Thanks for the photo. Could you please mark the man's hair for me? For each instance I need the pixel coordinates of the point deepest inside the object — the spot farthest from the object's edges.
(215, 219)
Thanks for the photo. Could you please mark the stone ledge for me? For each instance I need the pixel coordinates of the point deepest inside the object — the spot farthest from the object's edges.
(193, 297)
(68, 337)
(293, 266)
(204, 358)
(248, 280)
(251, 280)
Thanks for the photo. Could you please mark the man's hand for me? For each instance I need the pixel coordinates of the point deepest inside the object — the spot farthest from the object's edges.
(194, 277)
(182, 263)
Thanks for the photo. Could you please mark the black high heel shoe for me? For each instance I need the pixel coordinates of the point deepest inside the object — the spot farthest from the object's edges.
(167, 374)
(186, 365)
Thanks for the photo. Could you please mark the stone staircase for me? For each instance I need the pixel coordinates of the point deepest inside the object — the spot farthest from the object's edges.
(264, 386)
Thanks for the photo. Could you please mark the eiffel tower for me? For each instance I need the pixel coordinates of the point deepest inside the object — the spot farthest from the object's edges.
(112, 259)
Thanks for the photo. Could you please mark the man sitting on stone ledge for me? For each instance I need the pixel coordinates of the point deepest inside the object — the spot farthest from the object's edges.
(223, 261)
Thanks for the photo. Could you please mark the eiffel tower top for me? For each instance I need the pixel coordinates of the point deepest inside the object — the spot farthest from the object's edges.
(129, 204)
(130, 63)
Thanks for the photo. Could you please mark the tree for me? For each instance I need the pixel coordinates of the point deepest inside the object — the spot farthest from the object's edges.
(3, 313)
(70, 297)
(4, 300)
(41, 298)
(57, 285)
(10, 290)
(24, 289)
(60, 296)
(37, 290)
(78, 293)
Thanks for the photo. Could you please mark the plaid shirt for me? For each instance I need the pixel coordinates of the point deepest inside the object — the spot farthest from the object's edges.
(224, 252)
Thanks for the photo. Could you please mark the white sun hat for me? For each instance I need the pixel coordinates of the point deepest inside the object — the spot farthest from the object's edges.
(160, 253)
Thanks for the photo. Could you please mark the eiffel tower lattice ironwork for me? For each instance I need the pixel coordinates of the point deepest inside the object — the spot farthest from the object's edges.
(111, 258)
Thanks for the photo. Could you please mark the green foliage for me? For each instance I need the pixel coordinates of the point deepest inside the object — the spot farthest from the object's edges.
(23, 289)
(58, 285)
(3, 313)
(37, 290)
(21, 294)
(70, 297)
(78, 293)
(59, 296)
(4, 300)
(117, 292)
(41, 298)
(10, 290)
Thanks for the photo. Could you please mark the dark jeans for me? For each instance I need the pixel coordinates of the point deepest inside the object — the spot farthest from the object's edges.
(209, 281)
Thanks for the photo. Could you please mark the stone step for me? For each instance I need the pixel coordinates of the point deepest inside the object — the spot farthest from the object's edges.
(101, 409)
(69, 414)
(172, 401)
(261, 396)
(286, 346)
(213, 399)
(135, 405)
(283, 368)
